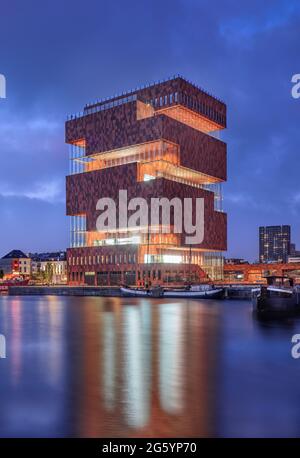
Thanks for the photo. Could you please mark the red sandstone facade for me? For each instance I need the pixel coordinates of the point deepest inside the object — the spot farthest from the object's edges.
(157, 141)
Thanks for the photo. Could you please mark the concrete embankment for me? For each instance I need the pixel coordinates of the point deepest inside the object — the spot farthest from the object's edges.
(231, 291)
(239, 291)
(63, 291)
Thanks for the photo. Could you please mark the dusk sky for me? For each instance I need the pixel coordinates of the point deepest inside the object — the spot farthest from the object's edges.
(57, 56)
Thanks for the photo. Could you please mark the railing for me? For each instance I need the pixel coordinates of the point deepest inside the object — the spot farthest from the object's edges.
(89, 108)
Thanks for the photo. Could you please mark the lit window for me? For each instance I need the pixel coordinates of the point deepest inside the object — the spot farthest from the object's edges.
(148, 177)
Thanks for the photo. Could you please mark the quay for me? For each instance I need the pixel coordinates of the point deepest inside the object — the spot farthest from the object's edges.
(231, 291)
(108, 291)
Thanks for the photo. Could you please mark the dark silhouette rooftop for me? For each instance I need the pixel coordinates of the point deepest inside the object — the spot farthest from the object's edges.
(15, 254)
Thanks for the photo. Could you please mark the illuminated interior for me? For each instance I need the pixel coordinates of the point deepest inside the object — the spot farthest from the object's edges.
(190, 118)
(155, 253)
(95, 238)
(150, 151)
(164, 258)
(174, 172)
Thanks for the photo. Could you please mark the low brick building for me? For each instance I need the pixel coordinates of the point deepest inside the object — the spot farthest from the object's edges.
(256, 273)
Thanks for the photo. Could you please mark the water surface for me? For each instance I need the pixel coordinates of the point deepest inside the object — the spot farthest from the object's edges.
(114, 367)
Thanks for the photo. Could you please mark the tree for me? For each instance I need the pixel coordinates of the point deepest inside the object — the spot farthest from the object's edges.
(1, 274)
(49, 272)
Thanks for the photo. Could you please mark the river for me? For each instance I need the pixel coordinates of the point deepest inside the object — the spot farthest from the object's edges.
(115, 367)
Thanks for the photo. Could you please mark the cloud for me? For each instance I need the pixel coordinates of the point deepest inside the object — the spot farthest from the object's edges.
(34, 157)
(244, 52)
(52, 191)
(242, 30)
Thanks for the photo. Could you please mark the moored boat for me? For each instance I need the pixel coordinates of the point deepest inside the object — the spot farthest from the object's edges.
(278, 297)
(192, 292)
(128, 291)
(196, 293)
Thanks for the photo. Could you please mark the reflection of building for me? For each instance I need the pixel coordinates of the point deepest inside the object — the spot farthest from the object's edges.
(274, 243)
(15, 263)
(147, 370)
(159, 141)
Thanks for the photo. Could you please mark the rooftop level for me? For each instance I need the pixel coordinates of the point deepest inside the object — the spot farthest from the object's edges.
(162, 95)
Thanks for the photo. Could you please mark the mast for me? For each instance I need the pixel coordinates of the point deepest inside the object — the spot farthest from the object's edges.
(190, 261)
(148, 246)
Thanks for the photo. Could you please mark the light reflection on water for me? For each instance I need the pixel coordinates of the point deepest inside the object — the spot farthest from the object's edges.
(113, 367)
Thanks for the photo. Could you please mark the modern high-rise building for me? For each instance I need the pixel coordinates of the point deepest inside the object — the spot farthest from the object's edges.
(157, 141)
(274, 243)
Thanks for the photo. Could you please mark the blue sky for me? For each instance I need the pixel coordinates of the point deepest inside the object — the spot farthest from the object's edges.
(57, 56)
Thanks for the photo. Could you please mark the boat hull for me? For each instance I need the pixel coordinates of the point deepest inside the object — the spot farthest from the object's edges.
(131, 292)
(207, 294)
(268, 303)
(217, 293)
